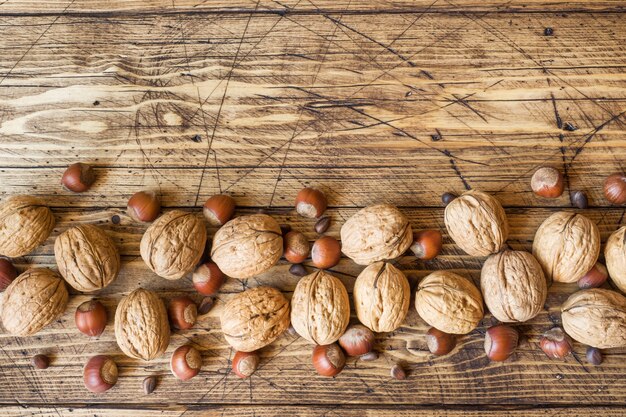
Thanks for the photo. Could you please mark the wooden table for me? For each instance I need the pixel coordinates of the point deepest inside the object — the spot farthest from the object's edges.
(395, 101)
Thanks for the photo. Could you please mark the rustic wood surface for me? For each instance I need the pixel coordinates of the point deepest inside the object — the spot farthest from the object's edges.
(394, 101)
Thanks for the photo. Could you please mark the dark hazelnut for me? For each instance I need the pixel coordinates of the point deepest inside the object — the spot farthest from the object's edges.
(40, 361)
(322, 225)
(149, 384)
(298, 270)
(594, 278)
(594, 356)
(446, 198)
(7, 273)
(579, 200)
(78, 177)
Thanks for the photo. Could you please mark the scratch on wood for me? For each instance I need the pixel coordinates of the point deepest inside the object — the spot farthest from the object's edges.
(559, 122)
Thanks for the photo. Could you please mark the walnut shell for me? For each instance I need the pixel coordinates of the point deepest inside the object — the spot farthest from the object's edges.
(381, 297)
(615, 254)
(25, 223)
(376, 233)
(173, 245)
(32, 301)
(255, 318)
(449, 302)
(596, 317)
(247, 246)
(567, 246)
(141, 327)
(320, 308)
(513, 286)
(87, 258)
(477, 223)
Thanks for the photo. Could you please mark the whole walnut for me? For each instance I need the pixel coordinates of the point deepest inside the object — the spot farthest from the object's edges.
(513, 286)
(320, 308)
(376, 233)
(87, 258)
(247, 246)
(449, 302)
(255, 318)
(615, 254)
(596, 317)
(32, 301)
(477, 223)
(25, 223)
(173, 245)
(567, 246)
(381, 297)
(141, 327)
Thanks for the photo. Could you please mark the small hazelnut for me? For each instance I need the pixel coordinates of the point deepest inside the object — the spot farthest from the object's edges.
(426, 244)
(91, 318)
(326, 252)
(357, 340)
(100, 374)
(555, 343)
(245, 363)
(298, 270)
(78, 177)
(144, 206)
(439, 343)
(446, 198)
(182, 312)
(579, 200)
(149, 384)
(328, 360)
(219, 209)
(594, 278)
(322, 225)
(296, 247)
(397, 372)
(186, 362)
(208, 278)
(594, 356)
(500, 342)
(369, 356)
(40, 361)
(206, 305)
(615, 188)
(311, 203)
(7, 273)
(547, 182)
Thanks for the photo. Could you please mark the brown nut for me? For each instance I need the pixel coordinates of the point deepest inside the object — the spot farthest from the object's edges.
(32, 301)
(40, 361)
(376, 233)
(555, 343)
(322, 225)
(427, 244)
(398, 372)
(144, 206)
(439, 343)
(186, 362)
(91, 318)
(513, 286)
(100, 374)
(245, 363)
(596, 317)
(141, 327)
(208, 279)
(594, 278)
(296, 247)
(247, 246)
(7, 273)
(87, 258)
(254, 318)
(173, 245)
(357, 340)
(615, 254)
(78, 177)
(328, 360)
(566, 245)
(547, 182)
(183, 312)
(320, 308)
(219, 209)
(449, 302)
(500, 342)
(311, 202)
(477, 223)
(149, 384)
(579, 199)
(594, 356)
(326, 252)
(381, 297)
(615, 188)
(25, 223)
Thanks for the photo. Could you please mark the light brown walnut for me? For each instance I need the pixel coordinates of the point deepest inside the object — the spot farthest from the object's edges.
(254, 318)
(477, 223)
(25, 223)
(596, 317)
(381, 297)
(32, 301)
(376, 233)
(87, 257)
(567, 246)
(173, 245)
(513, 286)
(141, 327)
(247, 246)
(615, 255)
(320, 308)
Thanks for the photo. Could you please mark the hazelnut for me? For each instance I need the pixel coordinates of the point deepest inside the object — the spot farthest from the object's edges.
(322, 225)
(500, 342)
(555, 343)
(397, 372)
(615, 188)
(149, 384)
(185, 362)
(439, 343)
(207, 278)
(594, 356)
(357, 340)
(298, 270)
(91, 318)
(40, 361)
(547, 182)
(219, 209)
(7, 273)
(579, 200)
(25, 223)
(446, 198)
(311, 202)
(326, 252)
(78, 177)
(427, 244)
(206, 305)
(296, 247)
(182, 312)
(245, 363)
(615, 254)
(144, 206)
(328, 360)
(100, 374)
(369, 356)
(594, 278)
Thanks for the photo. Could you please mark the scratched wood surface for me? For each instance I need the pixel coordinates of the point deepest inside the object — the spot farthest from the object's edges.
(374, 101)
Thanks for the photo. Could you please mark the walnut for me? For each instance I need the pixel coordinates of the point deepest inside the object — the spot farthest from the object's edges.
(381, 297)
(477, 223)
(173, 245)
(141, 327)
(320, 308)
(32, 301)
(376, 233)
(615, 254)
(247, 246)
(596, 317)
(87, 258)
(255, 318)
(567, 246)
(25, 223)
(449, 302)
(513, 286)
